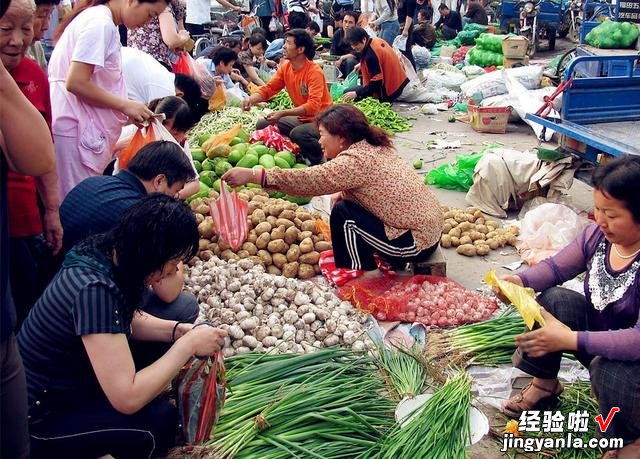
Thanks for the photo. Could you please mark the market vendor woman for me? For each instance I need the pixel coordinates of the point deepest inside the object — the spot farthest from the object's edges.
(381, 204)
(87, 395)
(601, 327)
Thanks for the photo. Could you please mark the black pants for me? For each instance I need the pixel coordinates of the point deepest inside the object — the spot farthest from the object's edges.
(356, 234)
(14, 437)
(614, 382)
(264, 22)
(195, 29)
(89, 427)
(306, 135)
(407, 49)
(347, 66)
(448, 33)
(298, 20)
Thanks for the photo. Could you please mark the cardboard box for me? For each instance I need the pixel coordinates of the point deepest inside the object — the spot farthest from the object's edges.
(447, 51)
(488, 119)
(515, 47)
(509, 63)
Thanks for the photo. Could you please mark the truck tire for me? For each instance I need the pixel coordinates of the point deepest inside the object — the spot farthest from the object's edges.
(551, 35)
(565, 25)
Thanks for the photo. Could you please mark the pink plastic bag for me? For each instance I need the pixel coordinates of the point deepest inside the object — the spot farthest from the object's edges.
(273, 139)
(229, 214)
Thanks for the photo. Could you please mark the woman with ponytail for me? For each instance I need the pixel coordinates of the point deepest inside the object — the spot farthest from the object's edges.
(88, 93)
(380, 204)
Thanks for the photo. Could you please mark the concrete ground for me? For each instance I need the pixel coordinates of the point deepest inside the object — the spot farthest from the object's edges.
(469, 272)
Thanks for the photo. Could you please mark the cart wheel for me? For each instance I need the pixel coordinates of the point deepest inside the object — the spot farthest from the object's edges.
(564, 61)
(533, 46)
(551, 36)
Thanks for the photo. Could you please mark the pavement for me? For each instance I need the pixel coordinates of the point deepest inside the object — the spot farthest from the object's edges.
(469, 272)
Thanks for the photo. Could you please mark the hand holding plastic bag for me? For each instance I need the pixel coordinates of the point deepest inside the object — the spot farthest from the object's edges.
(522, 298)
(229, 214)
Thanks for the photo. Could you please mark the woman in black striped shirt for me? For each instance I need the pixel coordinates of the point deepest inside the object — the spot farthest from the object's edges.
(87, 397)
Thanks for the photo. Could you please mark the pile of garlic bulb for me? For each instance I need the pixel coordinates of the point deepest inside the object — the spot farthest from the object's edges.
(261, 311)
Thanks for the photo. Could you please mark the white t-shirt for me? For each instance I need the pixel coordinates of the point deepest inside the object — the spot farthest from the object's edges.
(145, 77)
(198, 12)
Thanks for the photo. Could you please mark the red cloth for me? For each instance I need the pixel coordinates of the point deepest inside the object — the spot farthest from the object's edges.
(24, 215)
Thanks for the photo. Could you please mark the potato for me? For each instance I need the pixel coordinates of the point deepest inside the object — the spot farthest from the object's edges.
(274, 270)
(482, 229)
(243, 254)
(253, 206)
(203, 244)
(274, 210)
(466, 226)
(446, 228)
(293, 253)
(206, 255)
(306, 245)
(445, 241)
(445, 208)
(284, 222)
(309, 225)
(199, 218)
(278, 233)
(465, 240)
(278, 246)
(279, 260)
(303, 214)
(455, 242)
(196, 203)
(290, 269)
(317, 269)
(229, 255)
(287, 214)
(470, 218)
(260, 198)
(263, 240)
(291, 235)
(265, 257)
(470, 210)
(203, 209)
(483, 249)
(475, 235)
(452, 222)
(492, 243)
(297, 222)
(449, 214)
(492, 224)
(491, 234)
(512, 239)
(502, 241)
(468, 250)
(304, 235)
(258, 216)
(262, 227)
(306, 271)
(514, 230)
(455, 232)
(460, 217)
(478, 214)
(252, 237)
(272, 220)
(480, 221)
(249, 247)
(310, 258)
(321, 246)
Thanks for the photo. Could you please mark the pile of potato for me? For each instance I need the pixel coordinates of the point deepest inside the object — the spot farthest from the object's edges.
(472, 234)
(283, 236)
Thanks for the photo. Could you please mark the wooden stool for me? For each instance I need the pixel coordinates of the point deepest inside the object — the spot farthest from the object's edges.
(435, 265)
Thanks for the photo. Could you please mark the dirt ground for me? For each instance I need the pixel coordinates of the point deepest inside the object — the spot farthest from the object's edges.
(469, 271)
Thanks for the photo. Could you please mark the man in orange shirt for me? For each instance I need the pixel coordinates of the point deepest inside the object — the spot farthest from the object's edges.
(306, 84)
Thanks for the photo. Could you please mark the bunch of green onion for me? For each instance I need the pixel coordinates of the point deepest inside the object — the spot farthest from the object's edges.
(491, 342)
(327, 404)
(402, 370)
(439, 428)
(223, 120)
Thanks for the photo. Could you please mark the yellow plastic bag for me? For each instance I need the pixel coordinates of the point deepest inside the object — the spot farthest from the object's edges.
(253, 88)
(217, 100)
(522, 298)
(224, 138)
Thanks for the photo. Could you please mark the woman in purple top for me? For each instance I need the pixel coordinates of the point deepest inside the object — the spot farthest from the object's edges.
(602, 327)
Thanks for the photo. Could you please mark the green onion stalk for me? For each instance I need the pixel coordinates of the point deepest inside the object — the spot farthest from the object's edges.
(491, 342)
(403, 371)
(327, 404)
(223, 120)
(439, 428)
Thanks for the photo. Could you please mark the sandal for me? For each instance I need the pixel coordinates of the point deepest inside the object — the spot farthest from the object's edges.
(516, 405)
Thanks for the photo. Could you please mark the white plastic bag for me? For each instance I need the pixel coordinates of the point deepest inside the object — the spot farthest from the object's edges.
(492, 83)
(523, 103)
(547, 229)
(449, 80)
(234, 96)
(400, 43)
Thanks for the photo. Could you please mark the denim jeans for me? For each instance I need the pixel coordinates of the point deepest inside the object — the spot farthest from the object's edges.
(389, 31)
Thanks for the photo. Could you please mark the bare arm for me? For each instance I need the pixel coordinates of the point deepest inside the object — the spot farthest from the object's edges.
(80, 84)
(229, 5)
(189, 189)
(48, 190)
(147, 327)
(170, 287)
(253, 75)
(170, 36)
(129, 391)
(24, 135)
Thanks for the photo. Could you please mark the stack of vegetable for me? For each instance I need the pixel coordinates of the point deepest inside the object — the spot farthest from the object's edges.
(612, 34)
(488, 51)
(329, 404)
(283, 236)
(224, 120)
(491, 342)
(402, 369)
(382, 115)
(281, 101)
(272, 313)
(473, 234)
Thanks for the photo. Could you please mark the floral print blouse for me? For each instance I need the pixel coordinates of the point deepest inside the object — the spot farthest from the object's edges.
(148, 37)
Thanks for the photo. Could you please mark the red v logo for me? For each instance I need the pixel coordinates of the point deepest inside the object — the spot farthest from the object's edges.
(604, 423)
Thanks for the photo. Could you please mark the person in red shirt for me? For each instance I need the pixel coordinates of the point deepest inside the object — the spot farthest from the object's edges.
(306, 84)
(29, 249)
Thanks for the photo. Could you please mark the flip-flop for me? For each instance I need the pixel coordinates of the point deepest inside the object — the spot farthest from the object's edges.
(516, 405)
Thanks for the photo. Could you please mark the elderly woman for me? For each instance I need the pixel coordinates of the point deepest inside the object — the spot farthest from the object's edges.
(88, 397)
(380, 204)
(601, 327)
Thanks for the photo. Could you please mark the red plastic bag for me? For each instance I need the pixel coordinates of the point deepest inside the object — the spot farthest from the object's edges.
(142, 137)
(201, 395)
(336, 276)
(430, 300)
(273, 139)
(229, 214)
(184, 64)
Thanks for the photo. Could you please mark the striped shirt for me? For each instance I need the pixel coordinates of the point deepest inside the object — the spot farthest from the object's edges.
(81, 300)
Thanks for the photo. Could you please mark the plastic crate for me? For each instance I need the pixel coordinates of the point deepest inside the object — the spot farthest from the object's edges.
(489, 119)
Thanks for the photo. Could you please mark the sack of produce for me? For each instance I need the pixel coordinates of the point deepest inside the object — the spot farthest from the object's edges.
(201, 395)
(490, 42)
(468, 37)
(493, 84)
(229, 214)
(484, 58)
(612, 34)
(430, 300)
